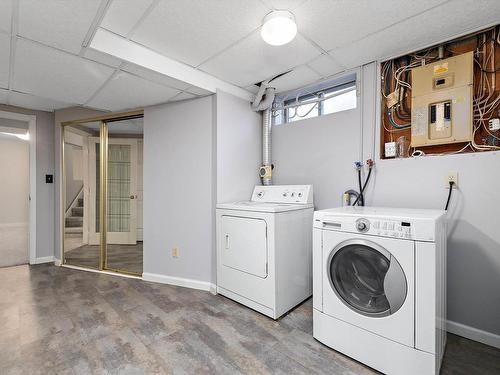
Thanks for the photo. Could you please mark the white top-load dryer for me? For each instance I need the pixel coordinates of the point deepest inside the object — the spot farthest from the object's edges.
(264, 248)
(379, 291)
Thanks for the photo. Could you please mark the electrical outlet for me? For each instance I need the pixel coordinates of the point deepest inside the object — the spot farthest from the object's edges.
(390, 149)
(452, 177)
(175, 252)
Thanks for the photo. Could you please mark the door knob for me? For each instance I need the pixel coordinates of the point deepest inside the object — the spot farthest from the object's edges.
(133, 196)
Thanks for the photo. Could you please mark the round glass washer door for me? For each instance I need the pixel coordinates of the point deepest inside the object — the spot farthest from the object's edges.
(367, 278)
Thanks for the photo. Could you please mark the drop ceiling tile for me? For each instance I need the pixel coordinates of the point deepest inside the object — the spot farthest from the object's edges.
(191, 31)
(57, 75)
(19, 99)
(125, 91)
(155, 76)
(6, 16)
(326, 65)
(4, 60)
(182, 96)
(61, 24)
(335, 23)
(252, 60)
(123, 15)
(283, 4)
(299, 77)
(102, 58)
(252, 88)
(421, 31)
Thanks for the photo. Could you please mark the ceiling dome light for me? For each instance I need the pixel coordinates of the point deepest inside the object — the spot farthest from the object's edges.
(278, 28)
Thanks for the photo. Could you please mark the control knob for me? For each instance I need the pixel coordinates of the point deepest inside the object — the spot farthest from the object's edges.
(362, 225)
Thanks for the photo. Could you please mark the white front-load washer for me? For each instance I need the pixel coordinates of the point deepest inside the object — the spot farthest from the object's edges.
(379, 286)
(264, 248)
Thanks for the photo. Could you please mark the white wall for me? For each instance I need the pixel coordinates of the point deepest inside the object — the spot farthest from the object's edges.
(302, 155)
(239, 144)
(44, 192)
(14, 202)
(179, 195)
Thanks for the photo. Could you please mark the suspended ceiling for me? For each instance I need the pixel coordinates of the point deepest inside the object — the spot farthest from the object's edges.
(45, 64)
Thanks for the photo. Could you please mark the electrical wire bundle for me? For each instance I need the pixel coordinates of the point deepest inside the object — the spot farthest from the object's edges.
(486, 98)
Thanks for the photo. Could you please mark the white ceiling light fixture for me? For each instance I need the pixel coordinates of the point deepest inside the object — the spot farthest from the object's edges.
(278, 28)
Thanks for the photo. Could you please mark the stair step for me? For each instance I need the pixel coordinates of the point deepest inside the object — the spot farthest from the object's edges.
(74, 221)
(77, 212)
(80, 202)
(74, 232)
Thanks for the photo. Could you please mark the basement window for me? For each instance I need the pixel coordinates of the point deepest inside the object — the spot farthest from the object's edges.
(325, 101)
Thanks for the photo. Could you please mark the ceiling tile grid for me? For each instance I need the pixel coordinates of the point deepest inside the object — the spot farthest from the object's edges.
(252, 60)
(417, 32)
(325, 65)
(335, 23)
(154, 76)
(54, 74)
(60, 24)
(125, 91)
(301, 76)
(192, 31)
(20, 99)
(123, 15)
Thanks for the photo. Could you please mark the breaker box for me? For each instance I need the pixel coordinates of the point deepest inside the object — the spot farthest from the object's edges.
(441, 103)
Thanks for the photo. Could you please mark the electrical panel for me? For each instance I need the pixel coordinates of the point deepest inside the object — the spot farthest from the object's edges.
(442, 96)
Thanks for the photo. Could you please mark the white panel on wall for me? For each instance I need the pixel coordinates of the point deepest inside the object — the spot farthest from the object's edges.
(123, 15)
(61, 24)
(252, 60)
(126, 91)
(192, 31)
(154, 76)
(320, 151)
(4, 60)
(36, 102)
(6, 16)
(420, 31)
(333, 24)
(239, 145)
(326, 65)
(50, 73)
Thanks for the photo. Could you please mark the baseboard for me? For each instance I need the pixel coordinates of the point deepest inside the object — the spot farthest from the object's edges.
(473, 333)
(179, 281)
(41, 260)
(57, 262)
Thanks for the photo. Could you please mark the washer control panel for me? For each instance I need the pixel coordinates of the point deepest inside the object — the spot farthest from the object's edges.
(390, 228)
(298, 194)
(371, 226)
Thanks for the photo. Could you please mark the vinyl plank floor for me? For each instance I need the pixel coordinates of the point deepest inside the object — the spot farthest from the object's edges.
(56, 320)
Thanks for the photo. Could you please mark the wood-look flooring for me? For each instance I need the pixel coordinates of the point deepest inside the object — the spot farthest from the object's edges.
(56, 320)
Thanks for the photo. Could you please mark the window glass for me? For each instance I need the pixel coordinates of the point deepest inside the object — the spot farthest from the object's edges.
(324, 102)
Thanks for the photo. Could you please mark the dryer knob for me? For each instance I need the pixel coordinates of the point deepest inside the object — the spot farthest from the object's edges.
(361, 226)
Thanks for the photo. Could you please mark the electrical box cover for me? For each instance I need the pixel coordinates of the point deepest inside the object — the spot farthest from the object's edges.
(441, 103)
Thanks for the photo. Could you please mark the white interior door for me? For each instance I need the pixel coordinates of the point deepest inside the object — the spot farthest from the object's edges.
(122, 191)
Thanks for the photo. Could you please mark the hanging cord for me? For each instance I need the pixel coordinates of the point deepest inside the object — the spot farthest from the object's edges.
(361, 198)
(449, 196)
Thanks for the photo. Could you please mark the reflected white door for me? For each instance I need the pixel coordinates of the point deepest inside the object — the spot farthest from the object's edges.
(122, 191)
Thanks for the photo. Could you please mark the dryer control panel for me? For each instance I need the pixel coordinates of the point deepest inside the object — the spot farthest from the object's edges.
(286, 194)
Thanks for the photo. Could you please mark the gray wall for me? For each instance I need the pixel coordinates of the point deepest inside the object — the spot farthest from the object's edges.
(321, 151)
(44, 192)
(179, 183)
(239, 142)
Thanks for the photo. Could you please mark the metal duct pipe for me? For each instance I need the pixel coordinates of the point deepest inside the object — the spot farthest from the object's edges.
(263, 102)
(266, 171)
